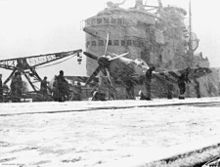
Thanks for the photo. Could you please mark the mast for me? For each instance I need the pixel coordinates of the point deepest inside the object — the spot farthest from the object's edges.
(190, 51)
(160, 4)
(190, 27)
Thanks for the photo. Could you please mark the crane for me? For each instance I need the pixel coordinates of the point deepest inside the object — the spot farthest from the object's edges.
(27, 65)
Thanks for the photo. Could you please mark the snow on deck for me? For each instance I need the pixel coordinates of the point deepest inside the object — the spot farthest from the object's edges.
(54, 107)
(105, 134)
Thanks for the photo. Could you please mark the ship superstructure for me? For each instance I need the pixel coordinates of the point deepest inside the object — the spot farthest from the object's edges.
(156, 34)
(160, 37)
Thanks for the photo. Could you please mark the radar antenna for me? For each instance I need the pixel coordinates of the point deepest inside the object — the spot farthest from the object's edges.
(160, 5)
(110, 4)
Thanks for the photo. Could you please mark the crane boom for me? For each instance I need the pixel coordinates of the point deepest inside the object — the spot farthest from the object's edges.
(34, 61)
(27, 65)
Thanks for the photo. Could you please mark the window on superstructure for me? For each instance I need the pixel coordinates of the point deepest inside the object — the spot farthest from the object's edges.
(116, 42)
(101, 43)
(93, 21)
(93, 43)
(113, 21)
(122, 42)
(119, 20)
(129, 42)
(135, 43)
(99, 20)
(110, 42)
(142, 44)
(138, 43)
(87, 44)
(88, 22)
(106, 20)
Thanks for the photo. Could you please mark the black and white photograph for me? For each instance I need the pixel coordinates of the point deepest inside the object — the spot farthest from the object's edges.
(109, 83)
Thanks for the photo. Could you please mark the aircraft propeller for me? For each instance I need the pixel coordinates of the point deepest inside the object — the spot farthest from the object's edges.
(90, 55)
(103, 65)
(103, 62)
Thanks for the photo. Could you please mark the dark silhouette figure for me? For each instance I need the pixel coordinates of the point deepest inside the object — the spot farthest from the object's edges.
(129, 90)
(169, 91)
(98, 96)
(77, 91)
(16, 87)
(55, 92)
(182, 80)
(142, 96)
(197, 88)
(148, 78)
(44, 88)
(62, 87)
(1, 89)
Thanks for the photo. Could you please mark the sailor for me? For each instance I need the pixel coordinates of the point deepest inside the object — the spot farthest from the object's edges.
(16, 87)
(62, 87)
(55, 90)
(197, 88)
(100, 91)
(44, 88)
(77, 91)
(98, 95)
(183, 79)
(141, 95)
(1, 89)
(129, 90)
(148, 78)
(169, 91)
(106, 87)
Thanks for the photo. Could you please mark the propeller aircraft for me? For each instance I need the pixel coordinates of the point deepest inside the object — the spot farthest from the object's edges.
(129, 72)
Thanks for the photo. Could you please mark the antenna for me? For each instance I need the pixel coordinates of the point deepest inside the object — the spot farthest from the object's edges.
(190, 51)
(160, 4)
(190, 27)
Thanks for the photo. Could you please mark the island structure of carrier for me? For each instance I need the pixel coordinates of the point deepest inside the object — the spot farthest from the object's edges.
(156, 34)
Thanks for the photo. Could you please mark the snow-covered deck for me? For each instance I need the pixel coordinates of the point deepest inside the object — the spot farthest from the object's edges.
(57, 107)
(106, 134)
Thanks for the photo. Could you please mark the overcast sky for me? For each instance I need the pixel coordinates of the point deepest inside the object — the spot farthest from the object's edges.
(30, 27)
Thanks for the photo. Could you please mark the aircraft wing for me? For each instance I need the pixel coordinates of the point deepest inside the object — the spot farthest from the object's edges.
(173, 76)
(193, 73)
(83, 79)
(199, 72)
(167, 76)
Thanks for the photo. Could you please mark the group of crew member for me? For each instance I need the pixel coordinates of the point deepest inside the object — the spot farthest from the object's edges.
(60, 90)
(182, 80)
